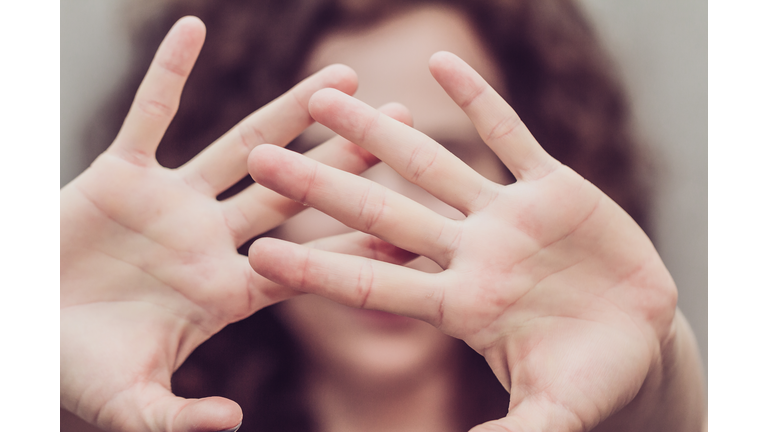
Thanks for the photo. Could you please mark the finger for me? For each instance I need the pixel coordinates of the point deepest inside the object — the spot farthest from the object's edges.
(536, 414)
(354, 243)
(412, 154)
(498, 124)
(357, 202)
(211, 414)
(258, 209)
(350, 280)
(157, 98)
(223, 163)
(153, 407)
(363, 245)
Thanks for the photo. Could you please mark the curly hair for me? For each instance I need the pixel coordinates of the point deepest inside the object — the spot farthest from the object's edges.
(558, 78)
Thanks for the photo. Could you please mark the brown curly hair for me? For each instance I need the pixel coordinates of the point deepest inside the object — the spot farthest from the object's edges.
(558, 78)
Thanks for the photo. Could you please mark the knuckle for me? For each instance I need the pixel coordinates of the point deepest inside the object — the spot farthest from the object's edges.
(364, 284)
(174, 66)
(449, 238)
(365, 131)
(155, 109)
(372, 207)
(310, 184)
(506, 126)
(422, 159)
(472, 97)
(250, 135)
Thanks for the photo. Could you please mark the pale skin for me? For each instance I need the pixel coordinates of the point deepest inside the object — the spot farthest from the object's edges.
(149, 262)
(547, 278)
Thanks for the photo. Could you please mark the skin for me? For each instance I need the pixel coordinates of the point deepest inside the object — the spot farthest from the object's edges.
(402, 364)
(539, 276)
(547, 278)
(149, 262)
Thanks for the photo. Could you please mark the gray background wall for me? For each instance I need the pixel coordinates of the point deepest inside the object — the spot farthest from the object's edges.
(661, 50)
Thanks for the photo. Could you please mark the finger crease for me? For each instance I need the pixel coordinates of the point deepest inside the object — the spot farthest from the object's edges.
(156, 109)
(250, 136)
(365, 282)
(415, 169)
(310, 183)
(479, 91)
(368, 126)
(506, 126)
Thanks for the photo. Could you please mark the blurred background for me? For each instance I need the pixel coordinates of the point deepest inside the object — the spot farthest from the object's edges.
(660, 47)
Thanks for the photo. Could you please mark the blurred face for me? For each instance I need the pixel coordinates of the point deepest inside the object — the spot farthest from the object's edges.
(391, 61)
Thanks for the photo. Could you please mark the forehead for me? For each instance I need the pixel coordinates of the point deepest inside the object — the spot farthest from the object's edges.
(391, 60)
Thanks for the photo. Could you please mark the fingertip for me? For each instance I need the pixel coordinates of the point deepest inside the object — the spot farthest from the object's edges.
(191, 26)
(181, 47)
(261, 161)
(441, 56)
(211, 414)
(191, 20)
(323, 98)
(398, 112)
(254, 252)
(341, 77)
(451, 71)
(263, 253)
(441, 59)
(322, 102)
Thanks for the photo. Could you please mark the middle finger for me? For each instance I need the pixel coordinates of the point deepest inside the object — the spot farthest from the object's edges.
(414, 155)
(258, 209)
(357, 202)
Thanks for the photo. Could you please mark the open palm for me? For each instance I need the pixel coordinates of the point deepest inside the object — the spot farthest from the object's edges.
(547, 278)
(149, 262)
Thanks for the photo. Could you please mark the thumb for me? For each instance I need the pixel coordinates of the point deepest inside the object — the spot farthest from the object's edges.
(212, 414)
(536, 415)
(155, 408)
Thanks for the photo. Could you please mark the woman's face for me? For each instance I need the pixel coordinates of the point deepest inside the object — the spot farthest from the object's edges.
(391, 60)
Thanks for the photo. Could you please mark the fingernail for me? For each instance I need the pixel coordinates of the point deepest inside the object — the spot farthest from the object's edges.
(234, 429)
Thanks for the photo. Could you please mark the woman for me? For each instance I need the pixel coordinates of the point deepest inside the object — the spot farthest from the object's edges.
(544, 45)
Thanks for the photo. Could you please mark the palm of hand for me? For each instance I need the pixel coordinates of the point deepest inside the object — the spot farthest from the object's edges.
(162, 280)
(563, 302)
(149, 262)
(548, 278)
(141, 229)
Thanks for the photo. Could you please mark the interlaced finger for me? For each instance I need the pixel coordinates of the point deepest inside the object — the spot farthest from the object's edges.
(415, 156)
(357, 202)
(356, 243)
(223, 163)
(350, 280)
(258, 209)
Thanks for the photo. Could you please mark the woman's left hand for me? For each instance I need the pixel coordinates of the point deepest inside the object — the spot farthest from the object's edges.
(547, 278)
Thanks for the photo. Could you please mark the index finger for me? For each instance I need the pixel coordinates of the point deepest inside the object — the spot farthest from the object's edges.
(498, 124)
(157, 98)
(223, 163)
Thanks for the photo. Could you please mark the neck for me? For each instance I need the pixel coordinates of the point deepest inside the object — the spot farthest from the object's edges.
(423, 402)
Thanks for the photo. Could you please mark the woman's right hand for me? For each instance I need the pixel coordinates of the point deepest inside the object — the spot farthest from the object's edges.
(149, 262)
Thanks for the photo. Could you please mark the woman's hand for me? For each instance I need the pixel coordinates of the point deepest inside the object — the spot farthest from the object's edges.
(548, 278)
(149, 262)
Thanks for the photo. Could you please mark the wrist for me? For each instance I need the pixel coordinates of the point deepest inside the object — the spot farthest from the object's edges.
(672, 395)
